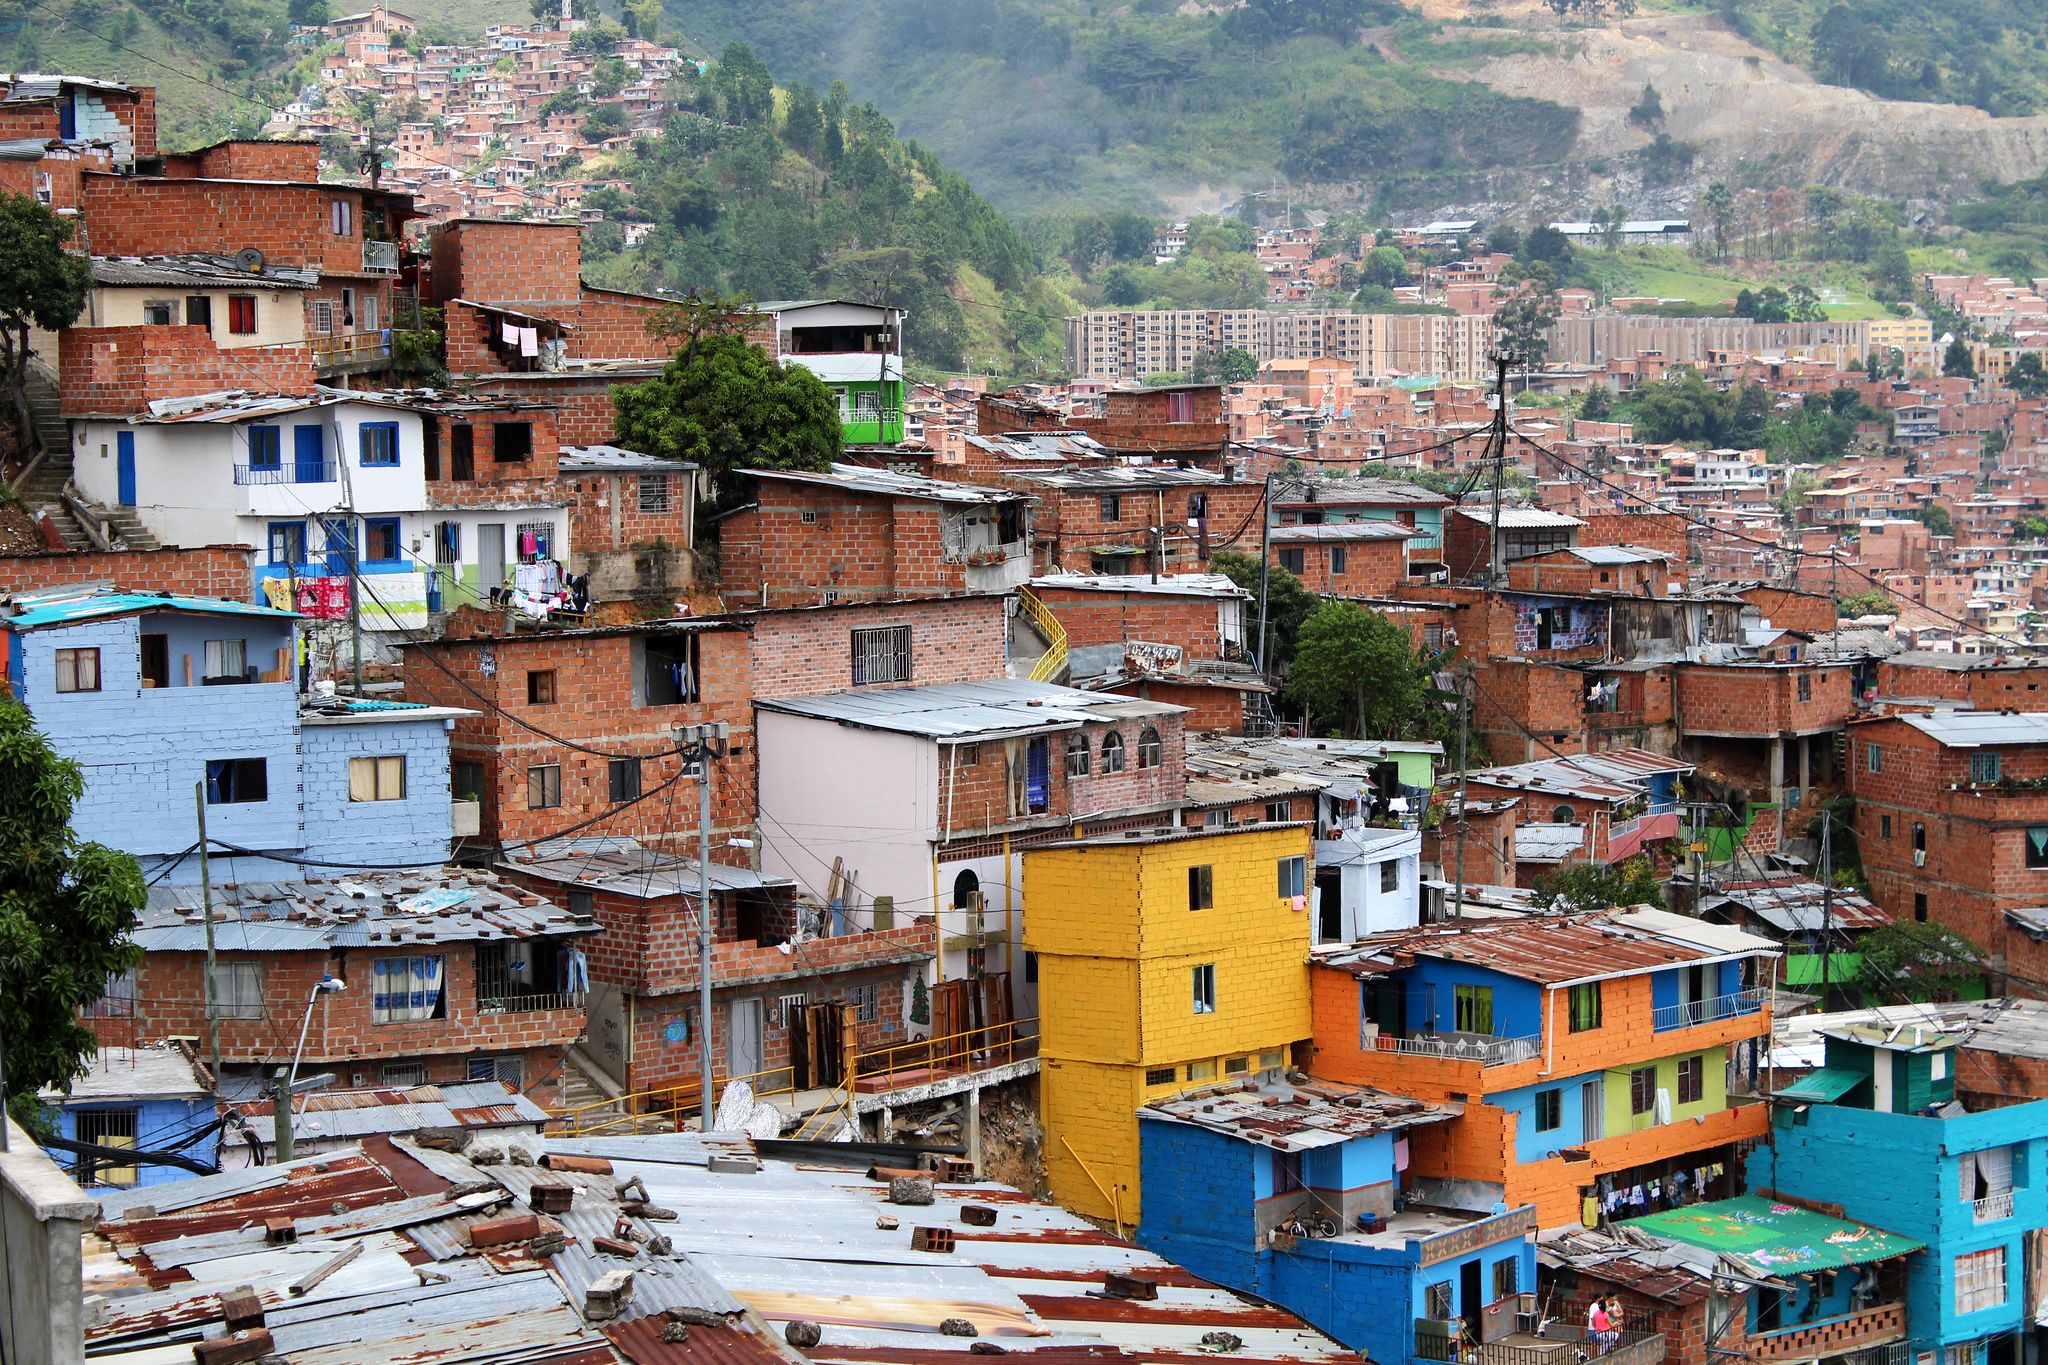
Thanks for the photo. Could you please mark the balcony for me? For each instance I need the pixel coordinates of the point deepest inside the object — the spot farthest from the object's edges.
(381, 257)
(1879, 1326)
(866, 426)
(1991, 1208)
(349, 352)
(1692, 1013)
(1484, 1049)
(308, 471)
(531, 1003)
(1560, 1344)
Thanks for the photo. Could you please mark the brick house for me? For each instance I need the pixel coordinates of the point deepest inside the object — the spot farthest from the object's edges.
(853, 533)
(1775, 720)
(795, 988)
(632, 521)
(1524, 531)
(1126, 518)
(925, 795)
(1953, 828)
(1348, 559)
(1626, 799)
(1313, 502)
(1625, 569)
(446, 976)
(1176, 423)
(1182, 639)
(1977, 682)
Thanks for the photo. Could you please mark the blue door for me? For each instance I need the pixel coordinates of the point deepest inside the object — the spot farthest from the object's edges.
(1037, 776)
(124, 467)
(341, 545)
(308, 456)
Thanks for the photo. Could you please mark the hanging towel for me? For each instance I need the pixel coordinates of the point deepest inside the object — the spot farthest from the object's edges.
(529, 341)
(1589, 1211)
(509, 333)
(1401, 1154)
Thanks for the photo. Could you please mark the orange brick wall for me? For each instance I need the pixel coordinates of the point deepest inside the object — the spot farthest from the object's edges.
(2001, 689)
(1372, 568)
(289, 224)
(1788, 610)
(857, 546)
(1756, 701)
(507, 263)
(808, 651)
(118, 370)
(211, 571)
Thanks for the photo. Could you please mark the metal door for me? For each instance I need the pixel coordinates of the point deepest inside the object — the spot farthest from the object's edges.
(309, 455)
(490, 555)
(124, 467)
(743, 1054)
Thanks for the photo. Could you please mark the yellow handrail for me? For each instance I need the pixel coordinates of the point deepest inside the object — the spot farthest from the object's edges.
(675, 1100)
(1006, 1037)
(1048, 626)
(1116, 1205)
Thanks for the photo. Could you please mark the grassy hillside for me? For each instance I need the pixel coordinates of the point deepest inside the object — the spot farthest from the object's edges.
(1670, 273)
(1992, 54)
(1151, 105)
(786, 194)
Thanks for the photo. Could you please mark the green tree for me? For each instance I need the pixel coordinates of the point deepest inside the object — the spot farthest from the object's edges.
(1803, 304)
(1957, 361)
(1648, 111)
(1521, 326)
(1237, 365)
(2028, 377)
(549, 11)
(1891, 273)
(1587, 886)
(1719, 202)
(1772, 305)
(2030, 526)
(1289, 602)
(1359, 672)
(41, 286)
(643, 19)
(744, 85)
(1547, 246)
(1911, 960)
(1384, 266)
(1937, 519)
(724, 404)
(1848, 50)
(1121, 287)
(67, 908)
(1598, 404)
(1872, 603)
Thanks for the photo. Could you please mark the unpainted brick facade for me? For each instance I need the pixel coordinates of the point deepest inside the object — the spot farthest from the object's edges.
(1764, 700)
(1366, 567)
(1110, 617)
(117, 371)
(1990, 688)
(209, 571)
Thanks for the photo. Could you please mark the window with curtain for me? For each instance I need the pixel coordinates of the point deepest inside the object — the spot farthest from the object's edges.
(380, 778)
(1473, 1009)
(225, 659)
(1112, 752)
(406, 990)
(1585, 1006)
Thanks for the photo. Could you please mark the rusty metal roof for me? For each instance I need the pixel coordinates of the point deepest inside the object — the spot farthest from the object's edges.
(1297, 1117)
(1552, 950)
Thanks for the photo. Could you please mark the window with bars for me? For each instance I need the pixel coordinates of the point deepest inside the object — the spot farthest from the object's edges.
(881, 654)
(1980, 1280)
(654, 493)
(1506, 1278)
(1984, 766)
(107, 1128)
(510, 1070)
(866, 1001)
(1437, 1301)
(534, 540)
(1161, 1075)
(403, 1075)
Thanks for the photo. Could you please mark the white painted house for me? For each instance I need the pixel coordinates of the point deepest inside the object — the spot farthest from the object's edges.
(318, 485)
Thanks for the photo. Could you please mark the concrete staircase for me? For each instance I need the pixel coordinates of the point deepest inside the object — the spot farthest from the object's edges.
(45, 487)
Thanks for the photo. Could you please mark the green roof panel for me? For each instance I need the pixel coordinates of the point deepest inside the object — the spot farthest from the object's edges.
(1821, 1085)
(1775, 1238)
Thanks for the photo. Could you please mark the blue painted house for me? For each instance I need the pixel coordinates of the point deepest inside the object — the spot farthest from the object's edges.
(157, 695)
(148, 1098)
(1298, 1193)
(1878, 1131)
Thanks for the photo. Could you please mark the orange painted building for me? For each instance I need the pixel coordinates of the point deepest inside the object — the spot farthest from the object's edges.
(1591, 1053)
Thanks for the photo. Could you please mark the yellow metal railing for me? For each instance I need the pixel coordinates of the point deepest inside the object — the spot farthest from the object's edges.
(1042, 620)
(676, 1105)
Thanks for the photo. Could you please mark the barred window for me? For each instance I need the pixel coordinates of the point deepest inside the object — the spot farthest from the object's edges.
(881, 655)
(654, 493)
(1980, 1280)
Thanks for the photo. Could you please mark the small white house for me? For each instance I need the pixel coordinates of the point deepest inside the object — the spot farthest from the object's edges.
(1367, 881)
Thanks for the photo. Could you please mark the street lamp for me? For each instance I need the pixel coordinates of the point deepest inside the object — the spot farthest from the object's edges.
(281, 1114)
(699, 744)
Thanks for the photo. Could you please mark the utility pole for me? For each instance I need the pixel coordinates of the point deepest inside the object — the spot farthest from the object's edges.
(1497, 443)
(701, 744)
(1265, 571)
(206, 908)
(1464, 728)
(1827, 899)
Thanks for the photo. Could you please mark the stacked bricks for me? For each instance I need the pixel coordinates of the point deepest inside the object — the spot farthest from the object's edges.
(806, 652)
(1518, 697)
(1374, 563)
(1562, 571)
(1213, 708)
(210, 571)
(290, 224)
(269, 159)
(1786, 609)
(855, 545)
(1992, 687)
(1069, 526)
(1664, 531)
(1192, 620)
(117, 371)
(614, 523)
(508, 263)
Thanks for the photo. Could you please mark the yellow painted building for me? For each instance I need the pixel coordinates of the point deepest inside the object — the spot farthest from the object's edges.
(1167, 960)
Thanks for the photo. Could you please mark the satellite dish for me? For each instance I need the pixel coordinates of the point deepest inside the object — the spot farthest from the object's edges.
(249, 259)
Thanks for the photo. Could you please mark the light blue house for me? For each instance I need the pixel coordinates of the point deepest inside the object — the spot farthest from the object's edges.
(1299, 1193)
(1878, 1132)
(169, 701)
(151, 1099)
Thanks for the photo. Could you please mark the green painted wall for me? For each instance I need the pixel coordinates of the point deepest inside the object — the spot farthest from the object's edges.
(1713, 1092)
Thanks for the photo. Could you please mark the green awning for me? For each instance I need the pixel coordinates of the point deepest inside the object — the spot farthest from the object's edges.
(1820, 1086)
(1775, 1238)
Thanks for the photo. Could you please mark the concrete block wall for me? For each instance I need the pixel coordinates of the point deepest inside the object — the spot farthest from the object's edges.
(414, 829)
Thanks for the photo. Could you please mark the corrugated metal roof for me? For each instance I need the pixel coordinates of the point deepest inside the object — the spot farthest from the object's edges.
(1355, 493)
(1521, 518)
(853, 478)
(1617, 554)
(1974, 729)
(602, 459)
(1546, 843)
(410, 909)
(1796, 905)
(962, 710)
(1169, 585)
(1295, 1118)
(623, 865)
(1118, 477)
(53, 609)
(196, 271)
(1551, 950)
(1338, 531)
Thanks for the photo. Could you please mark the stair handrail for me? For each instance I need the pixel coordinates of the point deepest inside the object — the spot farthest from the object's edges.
(34, 366)
(1054, 660)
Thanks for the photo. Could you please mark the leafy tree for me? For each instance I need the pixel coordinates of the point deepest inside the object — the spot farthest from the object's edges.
(1772, 305)
(1506, 239)
(307, 13)
(1547, 246)
(1957, 361)
(41, 286)
(609, 78)
(803, 120)
(1384, 266)
(1848, 50)
(1589, 886)
(1648, 111)
(1872, 603)
(1803, 304)
(1522, 325)
(1719, 202)
(548, 11)
(1354, 667)
(1686, 409)
(2028, 377)
(1937, 519)
(1910, 960)
(1891, 274)
(1233, 365)
(67, 908)
(606, 120)
(2030, 526)
(745, 87)
(1289, 602)
(643, 19)
(725, 405)
(1121, 287)
(1598, 404)
(1612, 220)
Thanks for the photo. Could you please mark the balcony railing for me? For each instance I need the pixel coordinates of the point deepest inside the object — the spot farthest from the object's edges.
(1555, 1346)
(1991, 1208)
(381, 257)
(1694, 1012)
(528, 1004)
(1875, 1326)
(1463, 1047)
(289, 471)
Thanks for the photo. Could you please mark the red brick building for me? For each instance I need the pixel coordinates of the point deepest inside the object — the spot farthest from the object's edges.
(1132, 518)
(1979, 682)
(1348, 559)
(443, 977)
(853, 534)
(1952, 822)
(1179, 423)
(1629, 570)
(1524, 531)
